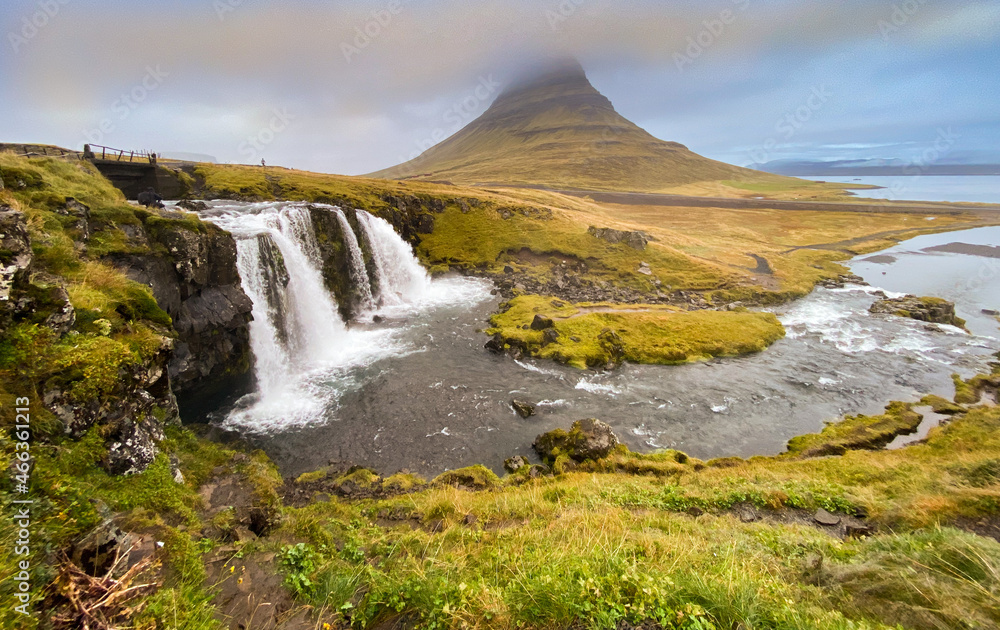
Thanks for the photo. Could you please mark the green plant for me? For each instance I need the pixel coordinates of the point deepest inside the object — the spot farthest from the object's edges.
(299, 563)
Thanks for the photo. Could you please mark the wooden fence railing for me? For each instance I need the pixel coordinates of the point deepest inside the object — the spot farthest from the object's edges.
(90, 152)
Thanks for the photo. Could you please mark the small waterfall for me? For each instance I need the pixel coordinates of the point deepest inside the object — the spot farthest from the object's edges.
(305, 354)
(264, 282)
(401, 278)
(273, 282)
(359, 273)
(295, 322)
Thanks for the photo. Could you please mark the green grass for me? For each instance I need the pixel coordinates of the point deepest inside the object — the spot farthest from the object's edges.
(597, 546)
(610, 541)
(482, 239)
(72, 494)
(652, 335)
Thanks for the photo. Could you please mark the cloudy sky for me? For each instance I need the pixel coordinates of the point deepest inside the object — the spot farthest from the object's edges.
(358, 85)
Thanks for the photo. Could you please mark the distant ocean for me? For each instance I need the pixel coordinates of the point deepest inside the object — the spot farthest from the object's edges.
(978, 188)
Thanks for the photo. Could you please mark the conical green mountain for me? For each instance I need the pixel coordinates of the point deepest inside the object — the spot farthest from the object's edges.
(555, 129)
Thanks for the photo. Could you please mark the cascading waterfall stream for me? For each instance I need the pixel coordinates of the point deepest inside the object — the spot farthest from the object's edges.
(264, 282)
(359, 272)
(401, 279)
(296, 325)
(304, 351)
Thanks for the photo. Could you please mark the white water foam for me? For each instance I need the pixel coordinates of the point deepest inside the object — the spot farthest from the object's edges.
(598, 388)
(401, 279)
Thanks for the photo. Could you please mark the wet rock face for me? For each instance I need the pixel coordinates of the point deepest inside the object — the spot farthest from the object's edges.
(194, 278)
(635, 240)
(192, 205)
(412, 216)
(337, 257)
(924, 309)
(586, 439)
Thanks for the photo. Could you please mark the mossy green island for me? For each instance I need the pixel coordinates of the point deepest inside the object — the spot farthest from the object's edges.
(115, 317)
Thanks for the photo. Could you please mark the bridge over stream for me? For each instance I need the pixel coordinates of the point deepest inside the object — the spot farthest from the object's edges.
(133, 171)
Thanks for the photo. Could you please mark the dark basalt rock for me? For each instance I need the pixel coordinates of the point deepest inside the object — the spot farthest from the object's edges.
(550, 336)
(925, 309)
(97, 551)
(192, 205)
(81, 228)
(336, 259)
(635, 240)
(826, 519)
(27, 295)
(843, 280)
(523, 409)
(15, 254)
(540, 322)
(586, 439)
(132, 415)
(194, 278)
(495, 344)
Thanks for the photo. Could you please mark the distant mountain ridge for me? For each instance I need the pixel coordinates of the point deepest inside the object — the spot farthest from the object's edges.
(871, 167)
(553, 128)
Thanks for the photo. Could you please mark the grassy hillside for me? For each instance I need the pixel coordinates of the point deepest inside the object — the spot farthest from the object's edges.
(117, 321)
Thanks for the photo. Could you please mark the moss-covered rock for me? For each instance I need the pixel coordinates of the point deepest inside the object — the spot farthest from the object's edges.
(601, 335)
(586, 439)
(857, 433)
(941, 405)
(926, 309)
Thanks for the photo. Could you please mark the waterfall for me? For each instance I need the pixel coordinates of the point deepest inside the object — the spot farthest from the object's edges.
(401, 279)
(305, 354)
(296, 323)
(264, 282)
(359, 272)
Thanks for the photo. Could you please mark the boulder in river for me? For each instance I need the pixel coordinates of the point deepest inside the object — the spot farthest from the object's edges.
(523, 408)
(192, 205)
(924, 309)
(586, 439)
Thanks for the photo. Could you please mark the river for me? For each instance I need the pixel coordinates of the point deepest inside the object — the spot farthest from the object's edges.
(418, 391)
(956, 188)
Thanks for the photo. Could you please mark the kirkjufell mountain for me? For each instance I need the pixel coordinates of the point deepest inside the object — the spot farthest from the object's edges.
(552, 128)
